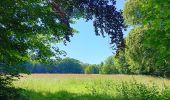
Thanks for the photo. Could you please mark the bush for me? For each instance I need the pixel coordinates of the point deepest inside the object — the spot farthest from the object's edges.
(129, 90)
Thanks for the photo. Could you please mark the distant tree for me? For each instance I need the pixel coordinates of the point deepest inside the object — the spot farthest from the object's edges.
(100, 67)
(108, 69)
(102, 63)
(92, 69)
(69, 65)
(109, 60)
(108, 66)
(120, 62)
(84, 66)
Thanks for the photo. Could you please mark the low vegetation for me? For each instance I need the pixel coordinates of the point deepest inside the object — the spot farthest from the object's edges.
(92, 87)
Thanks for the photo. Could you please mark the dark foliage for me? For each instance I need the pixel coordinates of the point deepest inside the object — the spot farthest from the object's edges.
(67, 65)
(106, 18)
(7, 91)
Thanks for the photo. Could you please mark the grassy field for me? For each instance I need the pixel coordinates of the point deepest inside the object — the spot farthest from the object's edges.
(93, 87)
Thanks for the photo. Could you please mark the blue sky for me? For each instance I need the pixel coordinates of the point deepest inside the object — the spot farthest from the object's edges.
(86, 46)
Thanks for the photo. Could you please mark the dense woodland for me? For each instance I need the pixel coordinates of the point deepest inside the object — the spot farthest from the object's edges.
(29, 28)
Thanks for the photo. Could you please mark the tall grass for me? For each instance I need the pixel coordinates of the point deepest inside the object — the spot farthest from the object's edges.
(92, 87)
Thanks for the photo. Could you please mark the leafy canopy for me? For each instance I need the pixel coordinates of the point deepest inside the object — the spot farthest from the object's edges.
(148, 43)
(29, 28)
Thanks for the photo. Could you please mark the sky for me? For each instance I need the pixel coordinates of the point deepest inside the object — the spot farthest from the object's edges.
(86, 46)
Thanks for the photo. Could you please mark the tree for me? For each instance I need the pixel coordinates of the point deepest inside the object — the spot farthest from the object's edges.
(120, 62)
(140, 57)
(69, 65)
(152, 13)
(150, 18)
(109, 67)
(109, 60)
(30, 28)
(91, 69)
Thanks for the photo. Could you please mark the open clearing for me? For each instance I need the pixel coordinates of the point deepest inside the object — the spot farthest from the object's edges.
(92, 87)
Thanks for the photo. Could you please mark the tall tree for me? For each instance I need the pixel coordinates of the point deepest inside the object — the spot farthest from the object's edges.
(153, 16)
(141, 58)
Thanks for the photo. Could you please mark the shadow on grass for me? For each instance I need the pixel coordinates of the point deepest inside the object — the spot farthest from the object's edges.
(61, 95)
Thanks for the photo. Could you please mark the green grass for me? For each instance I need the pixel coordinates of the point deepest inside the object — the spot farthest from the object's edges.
(93, 87)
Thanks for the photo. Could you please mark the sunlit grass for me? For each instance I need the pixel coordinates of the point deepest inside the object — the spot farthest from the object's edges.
(84, 87)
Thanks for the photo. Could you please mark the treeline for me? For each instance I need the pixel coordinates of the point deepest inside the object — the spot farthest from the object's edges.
(67, 65)
(71, 65)
(115, 64)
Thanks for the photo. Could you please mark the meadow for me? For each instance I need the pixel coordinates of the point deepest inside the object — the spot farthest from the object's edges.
(92, 87)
